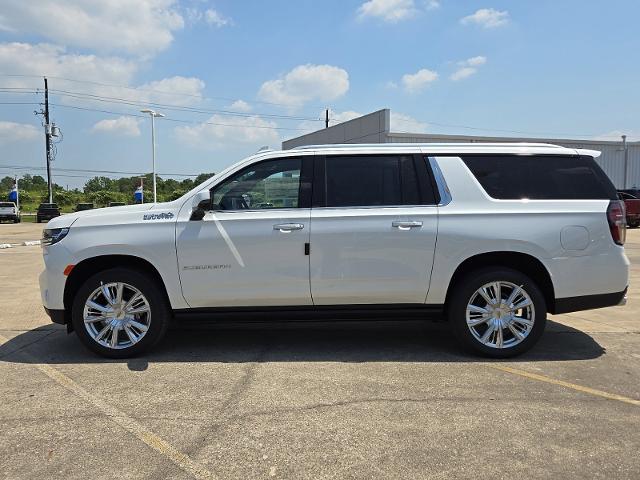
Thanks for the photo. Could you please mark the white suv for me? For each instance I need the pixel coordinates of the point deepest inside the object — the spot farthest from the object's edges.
(490, 236)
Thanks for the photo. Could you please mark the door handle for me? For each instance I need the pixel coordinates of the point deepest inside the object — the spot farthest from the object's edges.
(288, 227)
(406, 225)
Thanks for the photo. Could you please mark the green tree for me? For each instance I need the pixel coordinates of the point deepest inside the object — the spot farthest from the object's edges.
(98, 184)
(6, 184)
(202, 177)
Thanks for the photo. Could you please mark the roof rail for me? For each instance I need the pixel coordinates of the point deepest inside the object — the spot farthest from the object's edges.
(426, 144)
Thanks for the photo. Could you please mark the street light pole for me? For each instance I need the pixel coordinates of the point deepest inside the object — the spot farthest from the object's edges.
(153, 114)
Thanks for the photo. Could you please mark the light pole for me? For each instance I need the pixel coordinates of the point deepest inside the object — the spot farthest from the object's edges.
(153, 114)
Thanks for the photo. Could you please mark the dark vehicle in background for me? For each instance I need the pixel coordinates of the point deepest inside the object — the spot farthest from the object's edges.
(117, 204)
(631, 191)
(84, 206)
(47, 211)
(9, 211)
(632, 207)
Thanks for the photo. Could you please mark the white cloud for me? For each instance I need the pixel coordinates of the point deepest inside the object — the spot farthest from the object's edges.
(406, 123)
(473, 61)
(432, 4)
(462, 73)
(223, 131)
(468, 67)
(125, 126)
(388, 10)
(306, 83)
(487, 18)
(46, 59)
(340, 117)
(213, 17)
(54, 61)
(416, 82)
(240, 106)
(137, 27)
(17, 132)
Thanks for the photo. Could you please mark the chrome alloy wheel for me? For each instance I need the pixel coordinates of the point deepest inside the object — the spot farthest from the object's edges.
(117, 315)
(500, 314)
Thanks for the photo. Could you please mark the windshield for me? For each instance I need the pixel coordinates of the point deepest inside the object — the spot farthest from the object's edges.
(6, 204)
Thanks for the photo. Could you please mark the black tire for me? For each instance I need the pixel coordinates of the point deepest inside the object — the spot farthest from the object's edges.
(465, 289)
(634, 224)
(148, 286)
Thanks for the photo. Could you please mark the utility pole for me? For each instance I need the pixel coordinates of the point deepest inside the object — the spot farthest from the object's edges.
(17, 194)
(153, 115)
(326, 118)
(625, 148)
(47, 135)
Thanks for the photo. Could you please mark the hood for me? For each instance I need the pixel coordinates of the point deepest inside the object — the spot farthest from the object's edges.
(106, 214)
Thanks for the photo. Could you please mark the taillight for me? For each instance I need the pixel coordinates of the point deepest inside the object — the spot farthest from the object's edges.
(616, 216)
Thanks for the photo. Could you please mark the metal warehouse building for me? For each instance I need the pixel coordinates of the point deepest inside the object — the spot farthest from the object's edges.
(616, 159)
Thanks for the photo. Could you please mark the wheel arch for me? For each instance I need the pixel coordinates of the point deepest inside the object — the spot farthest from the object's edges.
(522, 262)
(90, 266)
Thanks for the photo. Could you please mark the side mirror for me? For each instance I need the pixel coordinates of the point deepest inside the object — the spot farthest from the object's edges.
(197, 214)
(200, 204)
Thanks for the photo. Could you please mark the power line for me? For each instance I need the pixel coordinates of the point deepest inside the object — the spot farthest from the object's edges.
(19, 103)
(32, 167)
(169, 119)
(128, 87)
(133, 102)
(117, 100)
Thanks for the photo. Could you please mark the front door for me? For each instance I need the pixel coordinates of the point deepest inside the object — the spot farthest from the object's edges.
(373, 230)
(250, 249)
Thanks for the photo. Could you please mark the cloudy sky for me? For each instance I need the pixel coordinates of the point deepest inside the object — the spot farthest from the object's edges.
(232, 77)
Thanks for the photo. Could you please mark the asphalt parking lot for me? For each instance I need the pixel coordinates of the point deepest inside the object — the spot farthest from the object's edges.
(302, 402)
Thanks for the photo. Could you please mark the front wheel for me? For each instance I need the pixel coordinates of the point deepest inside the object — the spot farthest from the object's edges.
(497, 312)
(120, 312)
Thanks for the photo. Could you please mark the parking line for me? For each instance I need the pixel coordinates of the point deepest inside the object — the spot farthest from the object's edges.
(147, 436)
(573, 386)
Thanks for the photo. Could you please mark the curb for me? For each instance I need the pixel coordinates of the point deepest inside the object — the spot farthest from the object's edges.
(27, 243)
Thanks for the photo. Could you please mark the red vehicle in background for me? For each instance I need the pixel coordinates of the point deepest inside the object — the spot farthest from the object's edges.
(632, 207)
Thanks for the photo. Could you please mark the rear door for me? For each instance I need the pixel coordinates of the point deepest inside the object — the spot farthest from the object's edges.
(374, 223)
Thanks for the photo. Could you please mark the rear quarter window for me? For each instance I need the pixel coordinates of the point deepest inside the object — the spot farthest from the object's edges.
(541, 177)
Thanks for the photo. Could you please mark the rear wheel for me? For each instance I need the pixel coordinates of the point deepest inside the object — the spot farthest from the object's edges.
(120, 313)
(497, 312)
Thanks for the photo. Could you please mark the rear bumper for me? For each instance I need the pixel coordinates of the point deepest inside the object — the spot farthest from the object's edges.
(588, 302)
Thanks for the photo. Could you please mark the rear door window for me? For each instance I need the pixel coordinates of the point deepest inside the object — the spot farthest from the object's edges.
(541, 177)
(373, 180)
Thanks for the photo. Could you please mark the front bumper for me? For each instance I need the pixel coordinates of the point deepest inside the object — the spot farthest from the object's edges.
(57, 316)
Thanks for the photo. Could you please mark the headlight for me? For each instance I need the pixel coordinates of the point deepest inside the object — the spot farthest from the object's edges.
(53, 235)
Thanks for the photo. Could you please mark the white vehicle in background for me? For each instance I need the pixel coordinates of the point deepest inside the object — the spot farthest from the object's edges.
(490, 236)
(9, 211)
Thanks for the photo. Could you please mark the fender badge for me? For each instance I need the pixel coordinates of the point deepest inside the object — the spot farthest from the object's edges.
(157, 216)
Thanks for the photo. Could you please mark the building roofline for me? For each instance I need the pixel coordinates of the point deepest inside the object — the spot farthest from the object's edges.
(475, 139)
